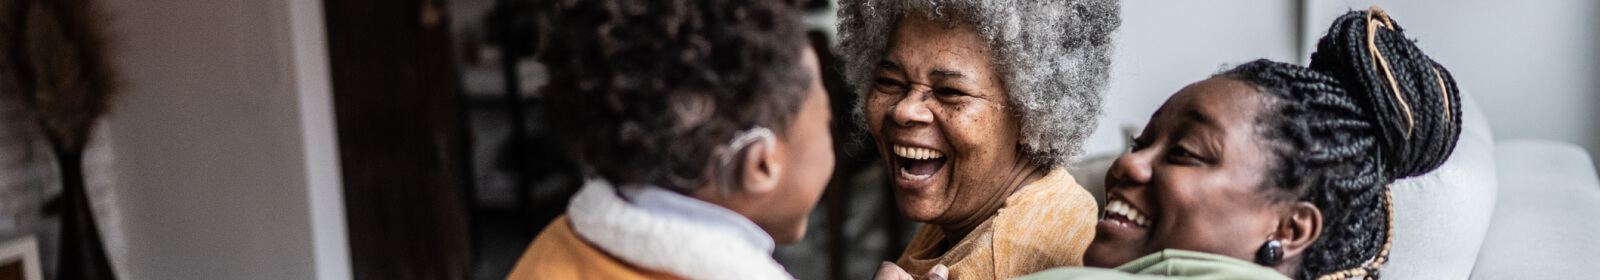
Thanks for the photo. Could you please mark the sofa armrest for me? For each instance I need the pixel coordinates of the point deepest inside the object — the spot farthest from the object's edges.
(1547, 214)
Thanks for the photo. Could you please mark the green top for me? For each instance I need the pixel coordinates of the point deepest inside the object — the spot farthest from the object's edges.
(1168, 264)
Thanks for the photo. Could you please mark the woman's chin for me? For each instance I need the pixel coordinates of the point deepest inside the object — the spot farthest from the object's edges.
(1108, 251)
(917, 207)
(1106, 257)
(920, 199)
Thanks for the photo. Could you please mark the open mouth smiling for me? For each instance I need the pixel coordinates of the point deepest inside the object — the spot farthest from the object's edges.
(917, 164)
(1121, 213)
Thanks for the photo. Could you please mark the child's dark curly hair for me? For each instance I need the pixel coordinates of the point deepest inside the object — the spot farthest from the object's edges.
(1371, 108)
(647, 91)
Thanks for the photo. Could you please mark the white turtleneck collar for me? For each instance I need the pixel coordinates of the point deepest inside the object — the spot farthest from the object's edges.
(659, 229)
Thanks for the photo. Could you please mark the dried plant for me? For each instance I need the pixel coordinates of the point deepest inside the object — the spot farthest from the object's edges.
(57, 55)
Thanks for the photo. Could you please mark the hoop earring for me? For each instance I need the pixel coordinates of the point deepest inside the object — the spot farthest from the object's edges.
(1270, 253)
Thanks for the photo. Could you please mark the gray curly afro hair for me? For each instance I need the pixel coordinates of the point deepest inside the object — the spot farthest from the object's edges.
(1054, 57)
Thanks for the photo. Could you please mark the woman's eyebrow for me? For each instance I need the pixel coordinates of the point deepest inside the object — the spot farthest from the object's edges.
(1204, 127)
(888, 65)
(941, 74)
(1202, 118)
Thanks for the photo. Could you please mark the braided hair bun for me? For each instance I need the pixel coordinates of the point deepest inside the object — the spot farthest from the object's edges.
(1414, 100)
(1371, 108)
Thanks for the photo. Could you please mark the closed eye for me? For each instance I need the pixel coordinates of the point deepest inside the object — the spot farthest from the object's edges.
(890, 86)
(949, 92)
(1179, 154)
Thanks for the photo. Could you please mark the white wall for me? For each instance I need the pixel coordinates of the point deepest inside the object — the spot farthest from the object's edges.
(1533, 65)
(1163, 45)
(225, 158)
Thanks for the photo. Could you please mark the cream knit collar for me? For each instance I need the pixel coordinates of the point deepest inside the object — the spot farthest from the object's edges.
(669, 232)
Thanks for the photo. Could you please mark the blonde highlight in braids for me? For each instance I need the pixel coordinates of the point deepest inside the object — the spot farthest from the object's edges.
(1369, 109)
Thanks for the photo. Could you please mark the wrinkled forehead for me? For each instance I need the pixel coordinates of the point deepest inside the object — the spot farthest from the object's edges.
(946, 16)
(920, 45)
(916, 23)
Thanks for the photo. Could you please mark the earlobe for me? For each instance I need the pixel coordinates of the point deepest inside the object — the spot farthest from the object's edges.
(1299, 228)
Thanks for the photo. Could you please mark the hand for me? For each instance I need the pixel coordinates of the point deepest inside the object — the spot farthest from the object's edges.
(890, 271)
(938, 272)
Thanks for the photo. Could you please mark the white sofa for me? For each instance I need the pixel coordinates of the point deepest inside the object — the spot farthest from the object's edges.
(1514, 210)
(1547, 215)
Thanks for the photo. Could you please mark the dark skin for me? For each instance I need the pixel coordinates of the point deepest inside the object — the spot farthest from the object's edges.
(782, 183)
(1199, 175)
(937, 90)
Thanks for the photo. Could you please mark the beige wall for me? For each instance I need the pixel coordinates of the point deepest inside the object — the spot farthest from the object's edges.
(224, 158)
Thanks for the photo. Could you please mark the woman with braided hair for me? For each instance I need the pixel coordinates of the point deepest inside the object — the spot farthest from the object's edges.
(1275, 171)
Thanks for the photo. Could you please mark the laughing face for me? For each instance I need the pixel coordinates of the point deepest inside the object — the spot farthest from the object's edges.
(1193, 180)
(937, 110)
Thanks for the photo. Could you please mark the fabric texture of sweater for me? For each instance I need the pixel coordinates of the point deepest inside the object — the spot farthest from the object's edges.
(1169, 264)
(645, 232)
(1045, 224)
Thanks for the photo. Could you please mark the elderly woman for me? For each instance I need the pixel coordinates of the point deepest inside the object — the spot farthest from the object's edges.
(975, 107)
(1276, 171)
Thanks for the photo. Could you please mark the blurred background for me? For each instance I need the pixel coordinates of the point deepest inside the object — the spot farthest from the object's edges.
(402, 139)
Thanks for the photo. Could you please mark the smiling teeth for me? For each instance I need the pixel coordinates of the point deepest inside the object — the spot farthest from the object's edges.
(913, 177)
(916, 153)
(1117, 207)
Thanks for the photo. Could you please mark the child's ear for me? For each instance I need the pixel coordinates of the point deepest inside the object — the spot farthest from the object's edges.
(760, 168)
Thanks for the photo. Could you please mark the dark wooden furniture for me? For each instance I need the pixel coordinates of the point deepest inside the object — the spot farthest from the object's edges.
(401, 138)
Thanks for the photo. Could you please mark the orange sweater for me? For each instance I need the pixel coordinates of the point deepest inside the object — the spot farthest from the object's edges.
(558, 253)
(1044, 225)
(652, 234)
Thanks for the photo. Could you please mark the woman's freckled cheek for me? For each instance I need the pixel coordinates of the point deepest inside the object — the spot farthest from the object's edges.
(876, 111)
(980, 121)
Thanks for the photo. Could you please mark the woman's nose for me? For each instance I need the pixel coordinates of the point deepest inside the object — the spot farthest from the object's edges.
(1131, 169)
(912, 108)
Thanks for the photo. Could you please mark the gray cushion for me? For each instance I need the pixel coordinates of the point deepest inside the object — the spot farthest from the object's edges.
(1091, 174)
(1441, 217)
(1547, 217)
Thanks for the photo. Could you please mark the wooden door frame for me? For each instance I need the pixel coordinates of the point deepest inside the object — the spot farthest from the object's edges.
(402, 141)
